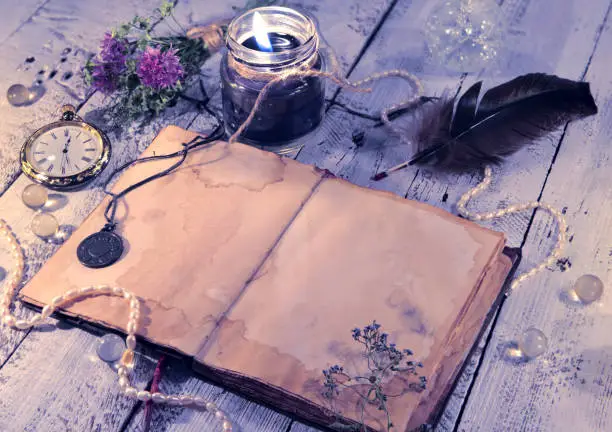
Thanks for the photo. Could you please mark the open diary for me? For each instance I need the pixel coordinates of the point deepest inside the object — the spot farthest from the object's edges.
(258, 267)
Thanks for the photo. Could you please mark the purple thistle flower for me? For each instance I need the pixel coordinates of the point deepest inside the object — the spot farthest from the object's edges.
(157, 69)
(105, 77)
(113, 50)
(109, 64)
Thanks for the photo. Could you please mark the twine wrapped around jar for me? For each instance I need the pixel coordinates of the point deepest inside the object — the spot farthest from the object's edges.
(212, 35)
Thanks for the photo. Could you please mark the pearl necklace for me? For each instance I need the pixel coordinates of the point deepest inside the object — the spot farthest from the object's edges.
(127, 359)
(562, 224)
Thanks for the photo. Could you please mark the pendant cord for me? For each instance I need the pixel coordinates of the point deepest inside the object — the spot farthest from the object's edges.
(111, 208)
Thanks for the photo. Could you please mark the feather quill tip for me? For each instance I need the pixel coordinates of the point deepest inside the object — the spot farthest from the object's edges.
(379, 176)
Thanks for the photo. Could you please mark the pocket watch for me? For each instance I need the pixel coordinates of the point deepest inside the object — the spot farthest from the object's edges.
(65, 154)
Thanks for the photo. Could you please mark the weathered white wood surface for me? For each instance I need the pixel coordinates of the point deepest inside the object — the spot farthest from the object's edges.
(569, 387)
(16, 15)
(561, 36)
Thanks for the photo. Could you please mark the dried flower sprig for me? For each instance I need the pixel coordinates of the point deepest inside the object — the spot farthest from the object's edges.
(384, 360)
(144, 73)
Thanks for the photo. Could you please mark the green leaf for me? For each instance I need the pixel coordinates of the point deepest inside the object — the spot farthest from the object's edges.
(142, 43)
(166, 8)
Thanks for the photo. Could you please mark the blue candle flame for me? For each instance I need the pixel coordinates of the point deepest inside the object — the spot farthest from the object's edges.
(261, 35)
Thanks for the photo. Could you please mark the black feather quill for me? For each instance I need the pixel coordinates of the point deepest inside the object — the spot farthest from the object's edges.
(507, 118)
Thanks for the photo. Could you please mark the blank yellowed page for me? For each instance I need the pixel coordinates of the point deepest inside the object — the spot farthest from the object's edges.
(351, 256)
(193, 238)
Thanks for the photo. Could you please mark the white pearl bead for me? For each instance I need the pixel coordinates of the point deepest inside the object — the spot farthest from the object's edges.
(174, 400)
(186, 399)
(135, 315)
(132, 326)
(200, 402)
(22, 324)
(533, 343)
(124, 382)
(220, 415)
(71, 294)
(34, 196)
(44, 225)
(131, 392)
(88, 290)
(118, 291)
(9, 320)
(46, 311)
(56, 301)
(130, 342)
(144, 396)
(104, 289)
(588, 288)
(227, 426)
(134, 303)
(122, 371)
(210, 406)
(34, 321)
(158, 398)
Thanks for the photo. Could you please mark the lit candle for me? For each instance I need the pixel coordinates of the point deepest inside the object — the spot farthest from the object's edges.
(262, 44)
(265, 41)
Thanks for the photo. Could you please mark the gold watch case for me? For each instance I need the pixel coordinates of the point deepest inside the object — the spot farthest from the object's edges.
(73, 181)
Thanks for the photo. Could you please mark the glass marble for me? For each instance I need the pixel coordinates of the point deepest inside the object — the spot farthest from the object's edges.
(18, 95)
(465, 35)
(34, 196)
(110, 347)
(533, 343)
(44, 225)
(588, 288)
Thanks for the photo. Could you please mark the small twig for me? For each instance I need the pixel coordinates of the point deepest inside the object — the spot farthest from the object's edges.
(157, 375)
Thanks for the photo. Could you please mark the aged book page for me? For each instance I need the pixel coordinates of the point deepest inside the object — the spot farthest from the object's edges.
(193, 239)
(352, 256)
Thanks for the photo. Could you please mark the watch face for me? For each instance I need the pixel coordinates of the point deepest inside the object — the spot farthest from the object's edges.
(65, 154)
(65, 151)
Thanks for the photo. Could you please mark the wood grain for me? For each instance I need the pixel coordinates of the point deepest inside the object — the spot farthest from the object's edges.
(15, 16)
(568, 388)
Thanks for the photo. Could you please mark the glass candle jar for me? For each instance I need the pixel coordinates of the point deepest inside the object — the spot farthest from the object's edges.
(262, 44)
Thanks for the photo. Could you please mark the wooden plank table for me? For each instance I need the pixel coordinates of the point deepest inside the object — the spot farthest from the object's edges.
(53, 381)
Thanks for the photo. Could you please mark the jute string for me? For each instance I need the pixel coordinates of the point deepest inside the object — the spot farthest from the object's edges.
(334, 75)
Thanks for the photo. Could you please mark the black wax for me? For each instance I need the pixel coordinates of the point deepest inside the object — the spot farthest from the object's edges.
(290, 110)
(279, 41)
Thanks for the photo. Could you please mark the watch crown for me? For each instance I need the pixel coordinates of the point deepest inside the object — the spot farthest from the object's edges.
(68, 112)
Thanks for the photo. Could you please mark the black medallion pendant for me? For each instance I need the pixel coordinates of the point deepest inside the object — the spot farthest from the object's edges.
(100, 249)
